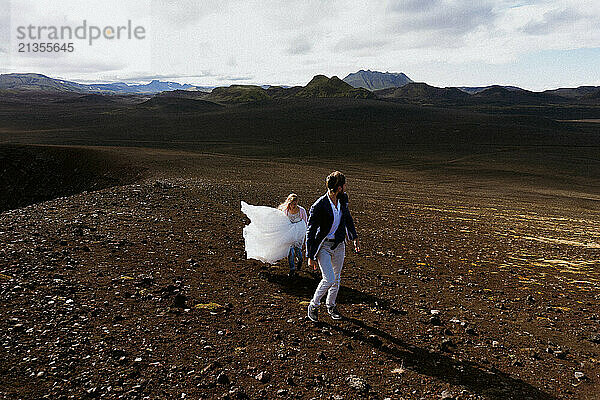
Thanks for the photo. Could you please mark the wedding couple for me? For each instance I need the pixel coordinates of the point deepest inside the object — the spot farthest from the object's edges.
(274, 234)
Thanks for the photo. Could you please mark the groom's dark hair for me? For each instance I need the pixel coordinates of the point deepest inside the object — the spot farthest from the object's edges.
(335, 180)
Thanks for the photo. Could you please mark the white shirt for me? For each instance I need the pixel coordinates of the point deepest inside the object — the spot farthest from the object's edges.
(337, 216)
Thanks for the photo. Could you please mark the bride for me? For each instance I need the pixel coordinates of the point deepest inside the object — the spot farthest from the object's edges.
(276, 233)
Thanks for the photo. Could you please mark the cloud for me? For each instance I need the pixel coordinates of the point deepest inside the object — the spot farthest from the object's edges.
(4, 24)
(412, 6)
(355, 42)
(207, 42)
(298, 16)
(183, 13)
(437, 15)
(162, 77)
(232, 62)
(300, 45)
(184, 78)
(235, 78)
(553, 20)
(70, 66)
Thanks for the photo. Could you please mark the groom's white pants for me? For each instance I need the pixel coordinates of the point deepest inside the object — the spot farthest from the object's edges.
(331, 262)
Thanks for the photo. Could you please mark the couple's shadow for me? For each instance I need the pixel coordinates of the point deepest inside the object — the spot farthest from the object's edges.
(304, 287)
(489, 382)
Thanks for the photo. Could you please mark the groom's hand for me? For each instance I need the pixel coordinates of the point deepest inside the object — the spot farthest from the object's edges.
(312, 263)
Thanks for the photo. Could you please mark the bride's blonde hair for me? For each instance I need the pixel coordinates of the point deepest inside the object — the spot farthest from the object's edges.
(286, 204)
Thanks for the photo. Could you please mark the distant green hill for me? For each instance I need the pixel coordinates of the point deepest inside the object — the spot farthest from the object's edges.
(422, 92)
(575, 93)
(89, 99)
(375, 80)
(322, 86)
(184, 94)
(280, 92)
(319, 87)
(171, 103)
(237, 94)
(595, 95)
(500, 95)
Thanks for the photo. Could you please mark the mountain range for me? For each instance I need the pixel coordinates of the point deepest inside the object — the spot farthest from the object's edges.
(319, 87)
(363, 84)
(374, 80)
(39, 82)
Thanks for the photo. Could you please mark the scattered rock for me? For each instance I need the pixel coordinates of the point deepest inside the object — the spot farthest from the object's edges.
(375, 340)
(447, 345)
(560, 354)
(213, 365)
(471, 331)
(238, 394)
(358, 383)
(118, 353)
(446, 395)
(118, 318)
(180, 300)
(535, 355)
(146, 281)
(223, 379)
(580, 375)
(263, 377)
(71, 317)
(169, 289)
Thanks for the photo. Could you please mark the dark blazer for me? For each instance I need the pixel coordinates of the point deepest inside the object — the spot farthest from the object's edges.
(320, 219)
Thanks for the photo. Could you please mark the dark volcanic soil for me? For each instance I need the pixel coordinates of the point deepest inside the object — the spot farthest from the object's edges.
(478, 289)
(30, 174)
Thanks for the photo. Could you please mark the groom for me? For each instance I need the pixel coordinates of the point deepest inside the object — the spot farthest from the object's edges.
(329, 223)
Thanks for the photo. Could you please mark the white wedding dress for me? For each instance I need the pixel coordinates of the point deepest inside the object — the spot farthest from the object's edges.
(270, 233)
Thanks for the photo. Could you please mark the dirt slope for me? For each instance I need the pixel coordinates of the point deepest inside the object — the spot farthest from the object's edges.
(142, 291)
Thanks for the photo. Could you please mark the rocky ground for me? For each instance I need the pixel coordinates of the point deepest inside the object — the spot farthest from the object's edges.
(478, 291)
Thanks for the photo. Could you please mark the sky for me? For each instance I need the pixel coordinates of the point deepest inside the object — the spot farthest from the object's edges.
(535, 45)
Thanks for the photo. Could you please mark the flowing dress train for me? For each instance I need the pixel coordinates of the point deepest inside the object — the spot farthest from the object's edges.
(270, 234)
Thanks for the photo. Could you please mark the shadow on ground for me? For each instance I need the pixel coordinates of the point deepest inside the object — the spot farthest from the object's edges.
(489, 382)
(304, 287)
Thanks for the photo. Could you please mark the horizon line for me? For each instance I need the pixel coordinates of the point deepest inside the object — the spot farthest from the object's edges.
(149, 79)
